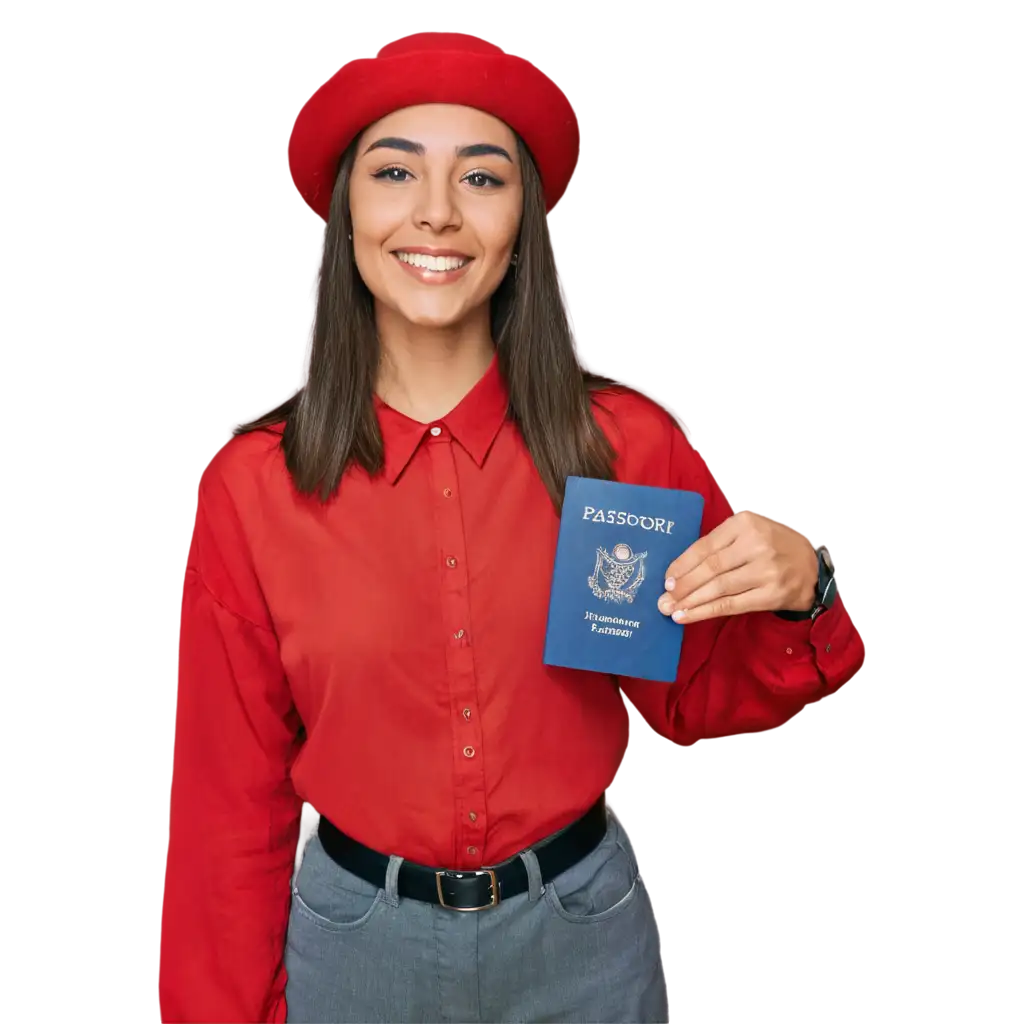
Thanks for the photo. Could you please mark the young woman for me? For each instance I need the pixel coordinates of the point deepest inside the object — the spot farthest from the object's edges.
(366, 593)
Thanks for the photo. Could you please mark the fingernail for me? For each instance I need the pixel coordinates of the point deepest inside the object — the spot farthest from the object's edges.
(679, 614)
(670, 583)
(664, 604)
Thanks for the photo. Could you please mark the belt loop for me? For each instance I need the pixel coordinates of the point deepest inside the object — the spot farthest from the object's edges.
(391, 880)
(532, 874)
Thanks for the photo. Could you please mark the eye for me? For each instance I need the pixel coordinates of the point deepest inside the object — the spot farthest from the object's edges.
(391, 174)
(480, 179)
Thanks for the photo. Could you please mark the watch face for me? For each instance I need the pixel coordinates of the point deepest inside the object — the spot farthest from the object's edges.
(826, 558)
(826, 578)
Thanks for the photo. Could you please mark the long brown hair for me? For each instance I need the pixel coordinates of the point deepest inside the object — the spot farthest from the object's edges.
(331, 420)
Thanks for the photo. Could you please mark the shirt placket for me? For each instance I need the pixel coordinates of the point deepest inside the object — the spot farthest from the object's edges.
(469, 810)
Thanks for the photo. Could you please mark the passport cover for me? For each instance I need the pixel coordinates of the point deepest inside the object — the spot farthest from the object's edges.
(615, 543)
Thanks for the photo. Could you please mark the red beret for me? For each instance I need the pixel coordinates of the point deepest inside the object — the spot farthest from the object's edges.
(433, 67)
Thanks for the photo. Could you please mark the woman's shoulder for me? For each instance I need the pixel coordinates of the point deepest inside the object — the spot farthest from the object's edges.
(236, 492)
(245, 462)
(630, 407)
(646, 436)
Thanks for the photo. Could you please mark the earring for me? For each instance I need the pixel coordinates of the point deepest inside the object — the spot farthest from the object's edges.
(350, 236)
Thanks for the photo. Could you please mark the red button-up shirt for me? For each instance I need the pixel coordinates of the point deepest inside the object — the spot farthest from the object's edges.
(380, 656)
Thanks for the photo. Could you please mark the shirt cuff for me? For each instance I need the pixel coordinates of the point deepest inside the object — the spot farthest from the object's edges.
(826, 643)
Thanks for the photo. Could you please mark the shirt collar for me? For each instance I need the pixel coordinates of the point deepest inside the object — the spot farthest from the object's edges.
(474, 423)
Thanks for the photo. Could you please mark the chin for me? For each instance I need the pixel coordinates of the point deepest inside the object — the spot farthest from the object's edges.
(431, 315)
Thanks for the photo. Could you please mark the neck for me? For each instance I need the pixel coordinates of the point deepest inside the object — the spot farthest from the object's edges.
(426, 371)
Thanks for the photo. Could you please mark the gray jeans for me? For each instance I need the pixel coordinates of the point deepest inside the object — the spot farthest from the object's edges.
(584, 947)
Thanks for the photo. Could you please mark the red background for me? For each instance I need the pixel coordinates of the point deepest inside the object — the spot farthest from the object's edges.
(152, 283)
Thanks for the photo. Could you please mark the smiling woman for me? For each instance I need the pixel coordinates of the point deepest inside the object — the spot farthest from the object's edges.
(425, 182)
(365, 602)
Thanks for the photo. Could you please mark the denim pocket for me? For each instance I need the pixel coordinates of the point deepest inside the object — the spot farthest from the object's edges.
(602, 885)
(329, 896)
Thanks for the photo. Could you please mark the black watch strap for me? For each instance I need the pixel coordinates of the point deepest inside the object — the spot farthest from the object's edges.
(825, 593)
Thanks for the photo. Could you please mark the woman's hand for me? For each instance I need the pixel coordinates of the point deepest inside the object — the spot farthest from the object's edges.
(746, 564)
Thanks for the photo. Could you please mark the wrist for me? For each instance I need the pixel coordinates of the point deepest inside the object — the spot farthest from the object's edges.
(824, 590)
(804, 599)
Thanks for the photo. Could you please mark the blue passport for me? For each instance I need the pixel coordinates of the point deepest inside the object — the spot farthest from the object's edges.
(615, 542)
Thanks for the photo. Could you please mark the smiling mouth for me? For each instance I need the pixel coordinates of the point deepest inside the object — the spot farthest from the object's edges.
(436, 264)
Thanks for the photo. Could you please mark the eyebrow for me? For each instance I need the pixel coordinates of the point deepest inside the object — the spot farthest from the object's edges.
(407, 146)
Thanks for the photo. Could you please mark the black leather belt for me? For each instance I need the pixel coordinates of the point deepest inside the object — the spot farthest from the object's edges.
(469, 890)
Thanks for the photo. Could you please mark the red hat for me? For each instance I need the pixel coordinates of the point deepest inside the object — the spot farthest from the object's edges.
(433, 67)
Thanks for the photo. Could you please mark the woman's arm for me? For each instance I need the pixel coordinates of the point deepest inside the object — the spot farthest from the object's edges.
(234, 816)
(748, 672)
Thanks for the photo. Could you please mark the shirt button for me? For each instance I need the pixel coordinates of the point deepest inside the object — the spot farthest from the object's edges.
(447, 492)
(471, 850)
(789, 650)
(459, 634)
(828, 647)
(472, 815)
(466, 713)
(468, 751)
(451, 561)
(435, 431)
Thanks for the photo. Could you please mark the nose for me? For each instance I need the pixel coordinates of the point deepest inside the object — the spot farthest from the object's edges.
(437, 205)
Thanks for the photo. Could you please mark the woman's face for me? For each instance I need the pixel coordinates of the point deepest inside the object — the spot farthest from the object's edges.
(436, 197)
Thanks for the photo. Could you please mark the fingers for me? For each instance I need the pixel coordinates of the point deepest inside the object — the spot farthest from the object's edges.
(718, 589)
(756, 600)
(715, 563)
(720, 537)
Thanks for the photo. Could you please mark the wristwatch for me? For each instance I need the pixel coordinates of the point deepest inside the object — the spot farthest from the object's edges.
(825, 593)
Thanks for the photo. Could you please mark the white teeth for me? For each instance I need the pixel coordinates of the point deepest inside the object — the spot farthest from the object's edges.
(436, 263)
